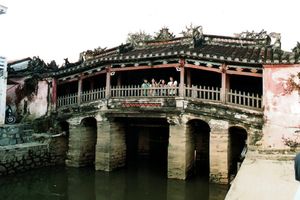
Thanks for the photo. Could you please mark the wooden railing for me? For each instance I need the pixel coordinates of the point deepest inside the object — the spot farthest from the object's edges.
(92, 95)
(244, 99)
(204, 93)
(70, 99)
(138, 91)
(207, 93)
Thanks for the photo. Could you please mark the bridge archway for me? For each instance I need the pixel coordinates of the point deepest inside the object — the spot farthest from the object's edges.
(147, 142)
(88, 140)
(64, 128)
(200, 133)
(237, 145)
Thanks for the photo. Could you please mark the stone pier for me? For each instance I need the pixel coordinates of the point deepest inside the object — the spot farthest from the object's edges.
(180, 152)
(219, 151)
(82, 141)
(111, 146)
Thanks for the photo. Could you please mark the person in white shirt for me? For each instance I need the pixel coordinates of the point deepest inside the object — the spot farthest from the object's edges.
(172, 83)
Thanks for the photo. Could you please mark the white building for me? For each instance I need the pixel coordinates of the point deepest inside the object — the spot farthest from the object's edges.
(3, 80)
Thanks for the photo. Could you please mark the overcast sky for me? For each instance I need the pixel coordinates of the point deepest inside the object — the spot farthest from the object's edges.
(56, 29)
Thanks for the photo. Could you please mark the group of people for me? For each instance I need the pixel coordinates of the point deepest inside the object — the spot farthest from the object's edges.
(161, 84)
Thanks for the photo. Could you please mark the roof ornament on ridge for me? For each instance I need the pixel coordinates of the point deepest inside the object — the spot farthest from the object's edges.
(193, 31)
(193, 35)
(88, 54)
(67, 64)
(138, 38)
(252, 35)
(296, 49)
(275, 40)
(164, 34)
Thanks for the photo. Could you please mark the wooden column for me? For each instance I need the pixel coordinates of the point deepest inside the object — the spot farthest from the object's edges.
(181, 86)
(92, 84)
(79, 90)
(107, 86)
(119, 80)
(188, 78)
(225, 84)
(54, 93)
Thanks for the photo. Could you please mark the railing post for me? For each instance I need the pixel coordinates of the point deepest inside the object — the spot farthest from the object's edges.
(225, 83)
(181, 86)
(188, 81)
(79, 90)
(54, 93)
(107, 86)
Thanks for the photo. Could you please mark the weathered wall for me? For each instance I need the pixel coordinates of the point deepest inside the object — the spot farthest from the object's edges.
(38, 106)
(33, 107)
(11, 92)
(22, 157)
(281, 109)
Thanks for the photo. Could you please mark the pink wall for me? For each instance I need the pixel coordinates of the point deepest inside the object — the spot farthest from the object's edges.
(281, 110)
(36, 106)
(39, 104)
(11, 91)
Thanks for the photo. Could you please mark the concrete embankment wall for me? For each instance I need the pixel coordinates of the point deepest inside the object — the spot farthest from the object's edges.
(22, 157)
(264, 177)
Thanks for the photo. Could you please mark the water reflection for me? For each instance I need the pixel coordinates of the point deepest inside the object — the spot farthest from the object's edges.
(133, 182)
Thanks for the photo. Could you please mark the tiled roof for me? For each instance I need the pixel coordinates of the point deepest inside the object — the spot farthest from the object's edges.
(222, 49)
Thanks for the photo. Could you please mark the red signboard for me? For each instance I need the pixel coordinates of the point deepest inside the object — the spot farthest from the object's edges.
(138, 105)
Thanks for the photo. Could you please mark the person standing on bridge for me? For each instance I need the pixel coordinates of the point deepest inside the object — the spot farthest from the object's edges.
(153, 84)
(145, 87)
(162, 84)
(297, 175)
(172, 83)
